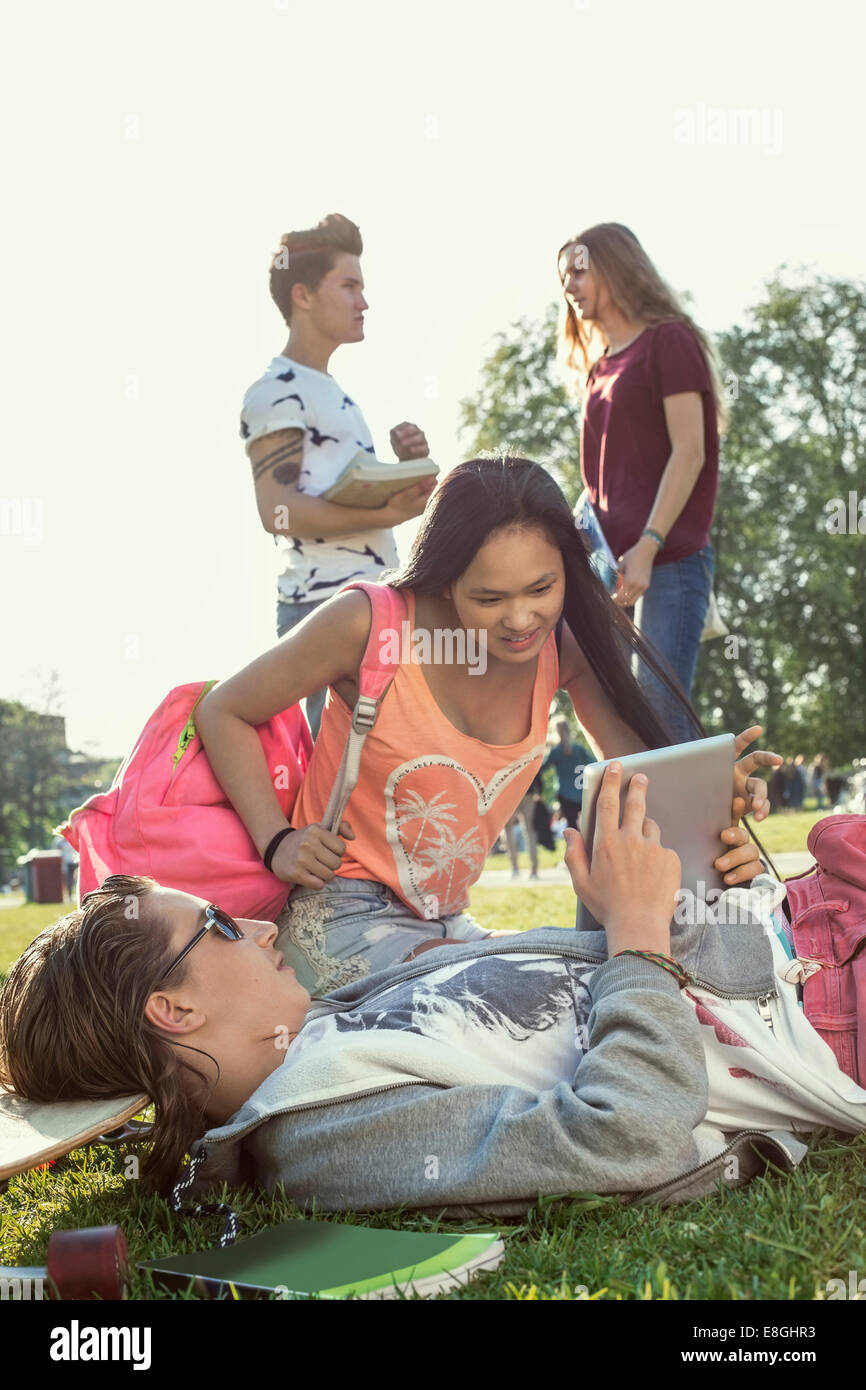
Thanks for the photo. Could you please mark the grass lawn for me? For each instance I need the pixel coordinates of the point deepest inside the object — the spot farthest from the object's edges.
(781, 1238)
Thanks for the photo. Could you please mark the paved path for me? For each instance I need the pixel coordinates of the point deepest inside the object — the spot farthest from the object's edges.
(787, 864)
(793, 862)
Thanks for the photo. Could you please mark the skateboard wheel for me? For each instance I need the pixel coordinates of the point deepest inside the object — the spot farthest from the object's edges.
(133, 1129)
(92, 1263)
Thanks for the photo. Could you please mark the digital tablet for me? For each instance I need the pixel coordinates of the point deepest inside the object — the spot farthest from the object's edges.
(690, 787)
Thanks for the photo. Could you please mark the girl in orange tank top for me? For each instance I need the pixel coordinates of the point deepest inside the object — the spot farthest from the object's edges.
(459, 735)
(431, 798)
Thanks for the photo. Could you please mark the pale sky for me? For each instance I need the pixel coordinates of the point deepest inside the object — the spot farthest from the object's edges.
(154, 153)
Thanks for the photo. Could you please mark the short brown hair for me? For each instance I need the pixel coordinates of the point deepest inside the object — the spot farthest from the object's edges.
(73, 1026)
(304, 258)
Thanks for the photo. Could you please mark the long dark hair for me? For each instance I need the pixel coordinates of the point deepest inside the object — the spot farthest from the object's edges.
(486, 495)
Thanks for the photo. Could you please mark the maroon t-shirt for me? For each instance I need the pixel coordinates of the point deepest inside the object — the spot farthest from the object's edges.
(625, 445)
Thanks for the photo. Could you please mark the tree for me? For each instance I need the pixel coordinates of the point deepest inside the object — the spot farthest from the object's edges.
(31, 778)
(522, 407)
(41, 780)
(792, 588)
(791, 582)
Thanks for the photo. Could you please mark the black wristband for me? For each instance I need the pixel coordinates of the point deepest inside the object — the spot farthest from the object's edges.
(271, 850)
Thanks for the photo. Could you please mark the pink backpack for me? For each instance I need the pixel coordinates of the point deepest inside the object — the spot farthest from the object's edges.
(828, 918)
(166, 816)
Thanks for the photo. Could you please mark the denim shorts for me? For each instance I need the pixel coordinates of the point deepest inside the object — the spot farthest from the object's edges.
(353, 927)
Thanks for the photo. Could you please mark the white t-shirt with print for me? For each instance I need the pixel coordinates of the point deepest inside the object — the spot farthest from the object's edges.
(776, 1073)
(522, 1020)
(292, 396)
(516, 1020)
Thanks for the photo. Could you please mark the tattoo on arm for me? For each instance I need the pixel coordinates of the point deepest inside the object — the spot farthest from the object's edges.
(284, 462)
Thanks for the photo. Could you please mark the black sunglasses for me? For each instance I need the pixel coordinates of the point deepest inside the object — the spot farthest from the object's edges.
(220, 921)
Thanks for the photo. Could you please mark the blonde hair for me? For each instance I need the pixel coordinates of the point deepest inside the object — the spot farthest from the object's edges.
(616, 256)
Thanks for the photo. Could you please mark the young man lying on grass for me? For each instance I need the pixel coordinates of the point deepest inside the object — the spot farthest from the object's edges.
(475, 1077)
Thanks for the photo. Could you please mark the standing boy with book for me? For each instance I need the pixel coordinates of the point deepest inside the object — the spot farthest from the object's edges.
(300, 430)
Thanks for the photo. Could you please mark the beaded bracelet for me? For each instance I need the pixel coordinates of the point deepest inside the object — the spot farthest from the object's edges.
(654, 535)
(673, 967)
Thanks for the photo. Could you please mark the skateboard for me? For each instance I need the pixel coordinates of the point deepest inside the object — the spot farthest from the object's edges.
(83, 1264)
(89, 1263)
(33, 1133)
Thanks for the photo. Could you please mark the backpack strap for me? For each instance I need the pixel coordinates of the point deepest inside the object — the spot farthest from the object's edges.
(389, 610)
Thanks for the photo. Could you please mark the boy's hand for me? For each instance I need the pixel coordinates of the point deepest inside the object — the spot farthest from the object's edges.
(740, 862)
(409, 442)
(753, 790)
(633, 883)
(403, 505)
(311, 856)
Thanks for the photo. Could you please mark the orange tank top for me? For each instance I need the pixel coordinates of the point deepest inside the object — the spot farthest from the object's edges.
(430, 800)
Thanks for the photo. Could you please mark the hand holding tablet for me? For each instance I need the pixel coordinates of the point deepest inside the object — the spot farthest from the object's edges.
(688, 795)
(633, 882)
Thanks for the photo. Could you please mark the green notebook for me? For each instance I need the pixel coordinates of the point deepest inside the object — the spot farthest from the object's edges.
(332, 1261)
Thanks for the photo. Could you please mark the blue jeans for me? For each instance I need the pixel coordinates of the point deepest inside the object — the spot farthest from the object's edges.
(353, 927)
(288, 616)
(671, 615)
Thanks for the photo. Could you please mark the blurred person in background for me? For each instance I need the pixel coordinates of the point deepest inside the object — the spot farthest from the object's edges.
(818, 778)
(798, 783)
(649, 440)
(778, 790)
(527, 820)
(568, 759)
(70, 865)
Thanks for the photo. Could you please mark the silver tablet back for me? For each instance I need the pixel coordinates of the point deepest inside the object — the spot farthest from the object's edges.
(689, 793)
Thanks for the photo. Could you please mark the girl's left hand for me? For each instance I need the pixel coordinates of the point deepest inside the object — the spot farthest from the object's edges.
(635, 572)
(740, 862)
(751, 791)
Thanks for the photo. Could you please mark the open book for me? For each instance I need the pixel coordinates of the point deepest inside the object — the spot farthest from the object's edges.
(364, 482)
(332, 1260)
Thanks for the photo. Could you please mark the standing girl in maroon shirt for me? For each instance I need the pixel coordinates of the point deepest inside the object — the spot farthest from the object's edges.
(649, 441)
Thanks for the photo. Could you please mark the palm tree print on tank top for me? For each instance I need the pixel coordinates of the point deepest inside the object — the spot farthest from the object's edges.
(436, 865)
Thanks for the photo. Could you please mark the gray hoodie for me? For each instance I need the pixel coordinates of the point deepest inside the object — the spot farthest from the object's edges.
(381, 1118)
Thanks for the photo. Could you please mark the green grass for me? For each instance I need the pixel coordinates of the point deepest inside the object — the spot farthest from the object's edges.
(787, 831)
(19, 925)
(532, 905)
(782, 1238)
(547, 859)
